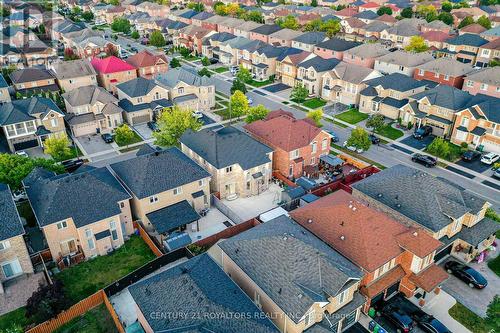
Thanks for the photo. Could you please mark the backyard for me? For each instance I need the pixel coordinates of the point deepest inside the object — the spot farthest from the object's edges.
(352, 116)
(97, 320)
(16, 318)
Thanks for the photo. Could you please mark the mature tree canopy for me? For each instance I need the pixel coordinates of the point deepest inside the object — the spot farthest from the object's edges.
(57, 147)
(384, 10)
(299, 93)
(330, 27)
(205, 61)
(238, 85)
(244, 75)
(376, 122)
(172, 124)
(196, 6)
(204, 72)
(359, 139)
(407, 12)
(446, 18)
(255, 113)
(288, 22)
(316, 116)
(88, 16)
(238, 104)
(446, 6)
(417, 45)
(174, 63)
(156, 39)
(135, 34)
(121, 24)
(123, 135)
(484, 21)
(465, 22)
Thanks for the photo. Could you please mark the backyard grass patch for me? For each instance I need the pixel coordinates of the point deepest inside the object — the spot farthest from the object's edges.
(221, 69)
(97, 320)
(314, 103)
(390, 132)
(352, 116)
(86, 278)
(135, 139)
(14, 319)
(469, 319)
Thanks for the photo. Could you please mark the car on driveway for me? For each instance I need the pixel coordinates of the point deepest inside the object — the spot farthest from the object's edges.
(107, 137)
(490, 158)
(374, 139)
(197, 114)
(334, 136)
(471, 155)
(467, 274)
(399, 318)
(425, 160)
(431, 325)
(22, 153)
(153, 126)
(72, 165)
(422, 132)
(496, 174)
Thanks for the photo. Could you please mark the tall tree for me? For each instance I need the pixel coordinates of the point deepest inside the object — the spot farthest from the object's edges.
(484, 21)
(384, 10)
(57, 147)
(238, 85)
(316, 116)
(299, 93)
(124, 135)
(330, 27)
(238, 104)
(121, 24)
(156, 39)
(417, 44)
(255, 113)
(407, 12)
(465, 22)
(196, 6)
(172, 124)
(288, 22)
(174, 63)
(88, 16)
(244, 75)
(446, 18)
(359, 139)
(446, 6)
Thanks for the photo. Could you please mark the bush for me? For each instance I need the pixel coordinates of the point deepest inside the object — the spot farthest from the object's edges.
(47, 302)
(205, 61)
(123, 135)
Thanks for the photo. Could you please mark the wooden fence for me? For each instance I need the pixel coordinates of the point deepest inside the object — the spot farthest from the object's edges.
(147, 239)
(228, 232)
(66, 316)
(279, 176)
(112, 312)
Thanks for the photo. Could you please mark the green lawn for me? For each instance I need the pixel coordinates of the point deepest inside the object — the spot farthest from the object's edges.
(314, 103)
(469, 319)
(352, 116)
(16, 318)
(224, 113)
(97, 320)
(135, 139)
(258, 84)
(221, 69)
(390, 132)
(86, 278)
(494, 265)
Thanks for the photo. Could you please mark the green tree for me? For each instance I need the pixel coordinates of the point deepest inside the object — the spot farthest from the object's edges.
(432, 16)
(330, 27)
(88, 16)
(238, 85)
(121, 24)
(204, 72)
(359, 139)
(196, 6)
(446, 6)
(316, 116)
(439, 147)
(376, 122)
(174, 63)
(465, 22)
(57, 147)
(313, 25)
(417, 45)
(494, 63)
(205, 61)
(156, 39)
(4, 11)
(407, 12)
(314, 3)
(172, 124)
(135, 34)
(254, 16)
(384, 10)
(288, 22)
(255, 113)
(425, 10)
(238, 103)
(299, 93)
(124, 135)
(493, 314)
(446, 18)
(244, 75)
(184, 51)
(484, 21)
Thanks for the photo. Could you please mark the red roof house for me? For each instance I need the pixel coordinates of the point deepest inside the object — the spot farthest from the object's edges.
(112, 71)
(148, 64)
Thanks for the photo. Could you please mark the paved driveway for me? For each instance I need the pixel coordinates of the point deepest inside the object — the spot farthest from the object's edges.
(474, 165)
(144, 131)
(418, 144)
(93, 144)
(475, 299)
(274, 88)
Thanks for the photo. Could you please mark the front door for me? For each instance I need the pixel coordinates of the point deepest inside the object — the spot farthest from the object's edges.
(230, 189)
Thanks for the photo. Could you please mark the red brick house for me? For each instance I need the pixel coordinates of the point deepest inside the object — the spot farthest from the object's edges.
(297, 143)
(445, 71)
(148, 64)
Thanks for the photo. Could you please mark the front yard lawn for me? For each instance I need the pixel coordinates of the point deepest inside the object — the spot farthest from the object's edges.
(221, 69)
(86, 278)
(314, 103)
(390, 132)
(471, 320)
(352, 116)
(494, 265)
(224, 113)
(258, 84)
(135, 139)
(444, 149)
(97, 320)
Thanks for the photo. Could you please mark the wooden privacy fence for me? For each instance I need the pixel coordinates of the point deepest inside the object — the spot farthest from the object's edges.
(112, 312)
(147, 239)
(228, 232)
(279, 176)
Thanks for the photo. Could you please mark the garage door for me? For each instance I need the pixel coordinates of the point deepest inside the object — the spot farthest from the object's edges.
(392, 290)
(26, 144)
(490, 146)
(437, 131)
(443, 253)
(140, 119)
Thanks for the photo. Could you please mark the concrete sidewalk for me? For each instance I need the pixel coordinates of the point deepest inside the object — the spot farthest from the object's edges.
(439, 307)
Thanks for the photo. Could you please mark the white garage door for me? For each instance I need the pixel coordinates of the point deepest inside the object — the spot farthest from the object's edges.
(490, 146)
(84, 129)
(140, 119)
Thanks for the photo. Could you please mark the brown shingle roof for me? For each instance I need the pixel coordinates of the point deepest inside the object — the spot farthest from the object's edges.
(387, 280)
(473, 28)
(418, 242)
(429, 278)
(145, 59)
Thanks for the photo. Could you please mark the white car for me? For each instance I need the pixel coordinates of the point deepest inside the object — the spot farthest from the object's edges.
(197, 114)
(19, 195)
(490, 158)
(22, 153)
(353, 148)
(250, 101)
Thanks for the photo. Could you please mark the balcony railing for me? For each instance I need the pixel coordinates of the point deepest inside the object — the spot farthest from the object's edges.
(70, 259)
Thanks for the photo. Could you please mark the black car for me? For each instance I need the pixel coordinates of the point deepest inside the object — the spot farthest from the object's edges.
(425, 160)
(431, 325)
(399, 318)
(496, 174)
(72, 165)
(153, 126)
(334, 136)
(422, 132)
(469, 275)
(213, 61)
(108, 138)
(374, 139)
(471, 155)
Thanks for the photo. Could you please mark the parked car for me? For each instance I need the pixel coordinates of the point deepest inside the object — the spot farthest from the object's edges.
(234, 70)
(107, 137)
(153, 126)
(496, 174)
(22, 153)
(250, 101)
(374, 139)
(19, 195)
(353, 148)
(399, 318)
(213, 61)
(431, 325)
(197, 114)
(471, 155)
(490, 158)
(467, 274)
(422, 132)
(133, 49)
(334, 136)
(72, 165)
(425, 160)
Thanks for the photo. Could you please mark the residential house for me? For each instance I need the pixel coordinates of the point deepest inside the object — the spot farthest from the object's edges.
(373, 30)
(290, 273)
(212, 22)
(82, 215)
(112, 71)
(163, 292)
(148, 64)
(10, 56)
(245, 28)
(26, 123)
(435, 39)
(142, 100)
(366, 16)
(229, 24)
(37, 53)
(344, 83)
(153, 9)
(33, 80)
(334, 48)
(113, 12)
(168, 193)
(4, 90)
(445, 210)
(435, 25)
(445, 71)
(239, 165)
(188, 88)
(264, 60)
(263, 32)
(307, 41)
(286, 66)
(283, 37)
(192, 37)
(474, 28)
(211, 46)
(487, 53)
(16, 36)
(401, 62)
(91, 110)
(297, 144)
(310, 73)
(14, 257)
(401, 32)
(352, 25)
(460, 13)
(463, 48)
(393, 257)
(387, 94)
(491, 34)
(74, 74)
(365, 54)
(485, 81)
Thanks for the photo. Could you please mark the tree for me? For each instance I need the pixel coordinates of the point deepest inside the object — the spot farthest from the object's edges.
(431, 16)
(299, 93)
(468, 20)
(4, 11)
(238, 85)
(47, 302)
(376, 122)
(88, 16)
(173, 123)
(69, 54)
(288, 22)
(484, 21)
(492, 312)
(184, 51)
(313, 25)
(205, 61)
(204, 72)
(439, 147)
(384, 10)
(123, 135)
(314, 3)
(255, 113)
(254, 16)
(57, 147)
(156, 39)
(238, 103)
(331, 27)
(425, 10)
(121, 24)
(446, 18)
(417, 45)
(135, 34)
(359, 139)
(407, 12)
(244, 75)
(446, 6)
(196, 6)
(316, 116)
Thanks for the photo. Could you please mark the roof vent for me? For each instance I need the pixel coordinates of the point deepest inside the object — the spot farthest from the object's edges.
(415, 234)
(379, 195)
(342, 223)
(279, 291)
(299, 296)
(309, 221)
(398, 205)
(354, 209)
(342, 237)
(157, 153)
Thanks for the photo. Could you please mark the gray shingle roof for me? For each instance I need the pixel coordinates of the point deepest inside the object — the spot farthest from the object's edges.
(86, 197)
(445, 96)
(337, 44)
(10, 223)
(429, 201)
(172, 217)
(266, 29)
(73, 69)
(30, 74)
(292, 266)
(445, 65)
(21, 110)
(320, 64)
(227, 146)
(396, 81)
(187, 75)
(158, 172)
(137, 87)
(312, 37)
(200, 289)
(88, 95)
(404, 58)
(467, 39)
(3, 83)
(370, 50)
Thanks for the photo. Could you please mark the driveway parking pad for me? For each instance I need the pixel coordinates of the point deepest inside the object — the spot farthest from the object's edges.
(274, 88)
(418, 144)
(474, 165)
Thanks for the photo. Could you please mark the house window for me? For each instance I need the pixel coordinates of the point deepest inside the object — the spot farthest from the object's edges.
(309, 319)
(294, 154)
(4, 245)
(446, 77)
(470, 83)
(112, 228)
(11, 130)
(201, 182)
(229, 169)
(257, 300)
(153, 199)
(177, 190)
(30, 126)
(313, 160)
(20, 129)
(90, 239)
(465, 122)
(157, 95)
(401, 68)
(53, 122)
(324, 144)
(314, 144)
(180, 90)
(122, 205)
(62, 225)
(139, 99)
(484, 86)
(375, 106)
(436, 75)
(342, 296)
(421, 72)
(11, 268)
(290, 171)
(485, 53)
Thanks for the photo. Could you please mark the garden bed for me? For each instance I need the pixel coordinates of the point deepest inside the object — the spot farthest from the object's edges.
(137, 138)
(352, 116)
